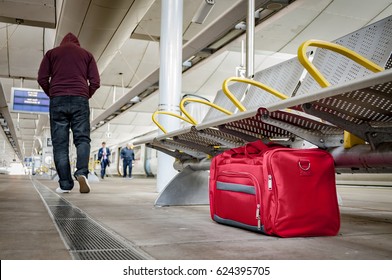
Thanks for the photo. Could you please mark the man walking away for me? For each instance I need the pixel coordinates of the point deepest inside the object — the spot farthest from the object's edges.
(103, 156)
(69, 76)
(128, 156)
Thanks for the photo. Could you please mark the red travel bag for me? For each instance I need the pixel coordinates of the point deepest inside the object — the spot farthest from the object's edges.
(275, 190)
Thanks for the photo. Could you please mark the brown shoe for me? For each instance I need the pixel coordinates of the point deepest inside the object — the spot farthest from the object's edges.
(83, 184)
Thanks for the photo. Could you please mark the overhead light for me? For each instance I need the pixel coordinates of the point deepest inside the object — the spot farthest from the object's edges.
(187, 63)
(203, 11)
(136, 99)
(240, 26)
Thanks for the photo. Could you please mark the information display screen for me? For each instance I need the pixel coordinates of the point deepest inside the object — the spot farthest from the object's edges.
(29, 100)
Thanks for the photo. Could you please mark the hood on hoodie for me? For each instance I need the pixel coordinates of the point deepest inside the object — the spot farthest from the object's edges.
(70, 38)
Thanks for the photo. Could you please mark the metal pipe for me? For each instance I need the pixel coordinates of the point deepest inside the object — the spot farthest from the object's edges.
(360, 158)
(195, 165)
(363, 158)
(250, 33)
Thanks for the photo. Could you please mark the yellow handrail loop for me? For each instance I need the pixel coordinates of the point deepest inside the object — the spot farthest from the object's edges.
(236, 102)
(349, 139)
(170, 114)
(208, 103)
(316, 74)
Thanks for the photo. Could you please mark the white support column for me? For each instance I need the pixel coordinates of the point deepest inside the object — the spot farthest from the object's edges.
(170, 79)
(250, 33)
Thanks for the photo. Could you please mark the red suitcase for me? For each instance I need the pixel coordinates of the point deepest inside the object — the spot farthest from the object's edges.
(275, 190)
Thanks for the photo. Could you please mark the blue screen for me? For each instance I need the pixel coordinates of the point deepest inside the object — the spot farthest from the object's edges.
(27, 100)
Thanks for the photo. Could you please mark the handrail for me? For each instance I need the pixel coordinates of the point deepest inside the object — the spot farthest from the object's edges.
(349, 139)
(190, 99)
(316, 74)
(170, 114)
(236, 102)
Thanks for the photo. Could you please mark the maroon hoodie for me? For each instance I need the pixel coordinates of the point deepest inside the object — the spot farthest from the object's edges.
(68, 70)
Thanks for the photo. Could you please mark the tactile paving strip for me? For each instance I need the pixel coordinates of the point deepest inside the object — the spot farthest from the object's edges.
(85, 238)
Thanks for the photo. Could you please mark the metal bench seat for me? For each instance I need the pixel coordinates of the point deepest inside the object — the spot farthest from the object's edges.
(212, 140)
(334, 68)
(362, 107)
(338, 96)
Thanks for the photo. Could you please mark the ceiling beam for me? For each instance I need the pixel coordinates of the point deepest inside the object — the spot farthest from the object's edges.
(32, 13)
(216, 29)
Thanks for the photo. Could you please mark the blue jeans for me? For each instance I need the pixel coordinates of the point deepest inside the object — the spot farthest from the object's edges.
(70, 112)
(127, 163)
(104, 163)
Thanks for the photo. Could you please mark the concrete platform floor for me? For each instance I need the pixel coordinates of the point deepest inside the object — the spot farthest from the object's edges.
(165, 233)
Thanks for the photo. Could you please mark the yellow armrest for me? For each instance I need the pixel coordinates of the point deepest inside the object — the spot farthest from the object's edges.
(170, 114)
(236, 102)
(316, 74)
(189, 99)
(349, 139)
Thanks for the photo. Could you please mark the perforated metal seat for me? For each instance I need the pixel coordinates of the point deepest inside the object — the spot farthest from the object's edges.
(287, 125)
(366, 112)
(238, 90)
(283, 77)
(357, 101)
(212, 140)
(362, 112)
(373, 42)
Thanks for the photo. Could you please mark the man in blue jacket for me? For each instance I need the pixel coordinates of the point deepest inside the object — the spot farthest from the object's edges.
(69, 76)
(103, 156)
(128, 156)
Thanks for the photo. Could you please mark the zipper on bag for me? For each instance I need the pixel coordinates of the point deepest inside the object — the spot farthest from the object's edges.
(256, 186)
(269, 182)
(268, 163)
